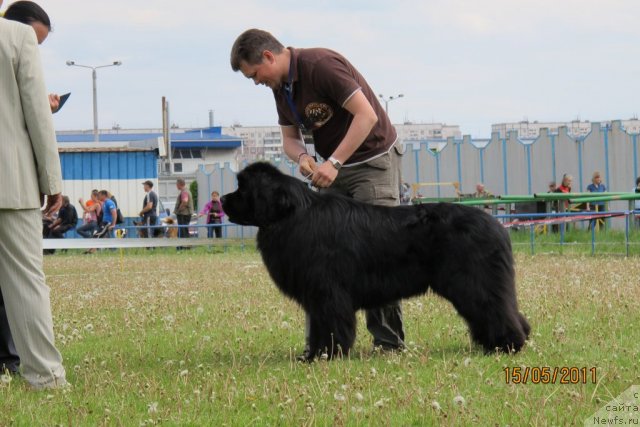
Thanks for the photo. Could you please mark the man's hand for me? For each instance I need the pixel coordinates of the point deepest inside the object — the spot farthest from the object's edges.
(307, 165)
(324, 176)
(54, 102)
(54, 203)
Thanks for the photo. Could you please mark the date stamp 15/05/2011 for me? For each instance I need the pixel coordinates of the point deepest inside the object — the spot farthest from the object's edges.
(549, 375)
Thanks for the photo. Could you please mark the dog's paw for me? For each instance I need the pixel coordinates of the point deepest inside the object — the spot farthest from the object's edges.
(305, 357)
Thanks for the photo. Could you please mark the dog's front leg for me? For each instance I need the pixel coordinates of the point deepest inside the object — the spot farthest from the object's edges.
(332, 330)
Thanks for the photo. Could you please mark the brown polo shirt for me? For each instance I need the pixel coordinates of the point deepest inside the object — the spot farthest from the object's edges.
(321, 82)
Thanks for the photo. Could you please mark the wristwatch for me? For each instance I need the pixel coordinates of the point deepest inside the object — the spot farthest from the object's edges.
(335, 162)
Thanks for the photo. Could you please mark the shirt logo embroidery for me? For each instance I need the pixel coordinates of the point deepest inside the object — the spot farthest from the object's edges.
(318, 114)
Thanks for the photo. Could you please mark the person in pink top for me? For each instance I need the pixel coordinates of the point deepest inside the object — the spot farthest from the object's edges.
(213, 211)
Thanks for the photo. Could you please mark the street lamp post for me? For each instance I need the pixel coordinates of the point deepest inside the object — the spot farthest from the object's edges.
(95, 91)
(388, 100)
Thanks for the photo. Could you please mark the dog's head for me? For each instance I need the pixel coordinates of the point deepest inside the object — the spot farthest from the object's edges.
(264, 196)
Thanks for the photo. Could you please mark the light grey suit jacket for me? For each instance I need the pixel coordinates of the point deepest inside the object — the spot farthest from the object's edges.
(29, 160)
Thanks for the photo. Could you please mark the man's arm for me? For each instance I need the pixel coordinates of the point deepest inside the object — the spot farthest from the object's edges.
(184, 200)
(37, 115)
(114, 216)
(364, 119)
(147, 208)
(83, 205)
(293, 146)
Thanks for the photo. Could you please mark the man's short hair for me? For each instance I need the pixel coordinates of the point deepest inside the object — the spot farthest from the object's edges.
(104, 193)
(181, 181)
(27, 12)
(249, 46)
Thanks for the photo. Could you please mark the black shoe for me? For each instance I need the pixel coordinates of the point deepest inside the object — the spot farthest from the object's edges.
(387, 348)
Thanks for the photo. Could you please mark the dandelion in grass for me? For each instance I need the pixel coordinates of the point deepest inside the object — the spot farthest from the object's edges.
(459, 400)
(152, 407)
(436, 406)
(339, 397)
(5, 379)
(380, 403)
(359, 396)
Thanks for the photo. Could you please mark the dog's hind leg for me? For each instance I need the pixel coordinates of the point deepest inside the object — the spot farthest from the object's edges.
(490, 310)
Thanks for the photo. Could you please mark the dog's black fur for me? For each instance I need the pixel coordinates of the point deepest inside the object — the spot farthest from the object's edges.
(334, 255)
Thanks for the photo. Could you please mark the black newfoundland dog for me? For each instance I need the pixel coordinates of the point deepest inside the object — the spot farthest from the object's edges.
(334, 256)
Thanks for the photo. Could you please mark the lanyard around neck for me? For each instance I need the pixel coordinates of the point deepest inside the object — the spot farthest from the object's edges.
(288, 94)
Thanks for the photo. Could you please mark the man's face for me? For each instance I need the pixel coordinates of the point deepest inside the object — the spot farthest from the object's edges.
(146, 188)
(264, 73)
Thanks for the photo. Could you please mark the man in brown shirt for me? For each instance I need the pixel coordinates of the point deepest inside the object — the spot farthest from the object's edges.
(318, 91)
(183, 208)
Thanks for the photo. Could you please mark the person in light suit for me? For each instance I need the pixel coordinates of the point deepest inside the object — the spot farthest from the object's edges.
(29, 161)
(32, 14)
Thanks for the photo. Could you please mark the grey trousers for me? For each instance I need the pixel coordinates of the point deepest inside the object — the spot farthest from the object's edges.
(26, 297)
(376, 182)
(9, 358)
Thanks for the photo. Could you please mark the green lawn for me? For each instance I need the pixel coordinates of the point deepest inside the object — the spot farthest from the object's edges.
(577, 241)
(200, 338)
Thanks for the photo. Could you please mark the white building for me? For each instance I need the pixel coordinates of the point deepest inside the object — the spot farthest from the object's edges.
(258, 142)
(528, 129)
(420, 131)
(265, 142)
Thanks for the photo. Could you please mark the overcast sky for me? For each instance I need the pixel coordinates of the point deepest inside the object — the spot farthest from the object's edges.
(471, 63)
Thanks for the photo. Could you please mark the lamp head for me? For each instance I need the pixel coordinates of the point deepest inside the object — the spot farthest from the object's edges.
(117, 62)
(71, 63)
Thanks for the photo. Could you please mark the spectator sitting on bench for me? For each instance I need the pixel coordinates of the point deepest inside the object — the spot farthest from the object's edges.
(480, 193)
(92, 210)
(67, 219)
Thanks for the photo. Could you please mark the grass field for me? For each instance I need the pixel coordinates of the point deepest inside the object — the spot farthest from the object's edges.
(199, 338)
(577, 241)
